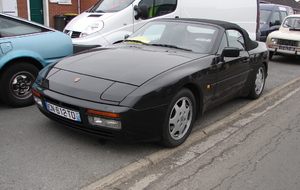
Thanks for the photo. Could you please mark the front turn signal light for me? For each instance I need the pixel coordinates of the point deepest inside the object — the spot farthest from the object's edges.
(101, 113)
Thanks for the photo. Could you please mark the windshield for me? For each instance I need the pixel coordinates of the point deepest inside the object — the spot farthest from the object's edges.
(185, 36)
(292, 22)
(264, 16)
(104, 6)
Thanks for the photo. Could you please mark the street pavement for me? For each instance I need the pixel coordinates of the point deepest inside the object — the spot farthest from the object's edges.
(37, 153)
(255, 148)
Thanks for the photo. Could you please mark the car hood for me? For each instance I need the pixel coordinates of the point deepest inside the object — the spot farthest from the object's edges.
(286, 34)
(112, 73)
(82, 21)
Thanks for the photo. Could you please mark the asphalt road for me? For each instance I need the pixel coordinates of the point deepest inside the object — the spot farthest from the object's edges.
(37, 153)
(257, 150)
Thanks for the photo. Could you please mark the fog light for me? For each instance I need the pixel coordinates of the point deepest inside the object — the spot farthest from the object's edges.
(38, 101)
(109, 123)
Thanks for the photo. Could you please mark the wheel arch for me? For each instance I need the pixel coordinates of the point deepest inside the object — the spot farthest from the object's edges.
(30, 60)
(197, 92)
(266, 68)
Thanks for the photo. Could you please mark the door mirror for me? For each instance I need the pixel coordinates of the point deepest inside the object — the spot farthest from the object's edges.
(142, 12)
(231, 52)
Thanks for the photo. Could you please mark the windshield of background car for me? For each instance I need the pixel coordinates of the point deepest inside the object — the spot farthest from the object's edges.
(11, 27)
(186, 36)
(292, 22)
(105, 6)
(264, 16)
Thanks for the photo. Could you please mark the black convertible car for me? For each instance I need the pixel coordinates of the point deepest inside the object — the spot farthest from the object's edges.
(152, 86)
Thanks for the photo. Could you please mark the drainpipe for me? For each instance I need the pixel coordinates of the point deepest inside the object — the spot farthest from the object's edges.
(79, 5)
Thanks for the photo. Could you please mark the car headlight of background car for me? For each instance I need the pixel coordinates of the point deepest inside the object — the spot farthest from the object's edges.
(273, 41)
(92, 28)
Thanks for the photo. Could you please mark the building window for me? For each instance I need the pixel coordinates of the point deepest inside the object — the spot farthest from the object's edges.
(65, 2)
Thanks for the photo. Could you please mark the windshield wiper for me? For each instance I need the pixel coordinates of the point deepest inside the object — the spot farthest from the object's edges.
(170, 46)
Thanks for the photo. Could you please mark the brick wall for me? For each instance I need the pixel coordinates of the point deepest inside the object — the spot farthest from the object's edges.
(85, 5)
(22, 8)
(57, 9)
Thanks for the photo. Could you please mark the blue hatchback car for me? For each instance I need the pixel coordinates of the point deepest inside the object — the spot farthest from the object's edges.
(25, 48)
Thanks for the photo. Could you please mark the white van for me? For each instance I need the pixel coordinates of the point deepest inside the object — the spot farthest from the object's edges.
(108, 21)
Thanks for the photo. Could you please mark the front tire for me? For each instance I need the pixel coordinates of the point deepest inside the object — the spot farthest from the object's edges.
(15, 84)
(179, 119)
(259, 83)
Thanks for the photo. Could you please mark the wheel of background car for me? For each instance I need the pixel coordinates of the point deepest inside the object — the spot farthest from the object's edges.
(258, 83)
(15, 84)
(179, 119)
(198, 47)
(271, 55)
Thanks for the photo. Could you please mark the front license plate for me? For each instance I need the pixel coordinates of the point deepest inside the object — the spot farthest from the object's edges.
(63, 112)
(287, 48)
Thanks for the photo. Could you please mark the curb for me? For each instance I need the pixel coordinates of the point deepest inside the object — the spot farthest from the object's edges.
(195, 136)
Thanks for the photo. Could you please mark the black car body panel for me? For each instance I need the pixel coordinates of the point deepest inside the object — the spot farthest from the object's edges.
(139, 81)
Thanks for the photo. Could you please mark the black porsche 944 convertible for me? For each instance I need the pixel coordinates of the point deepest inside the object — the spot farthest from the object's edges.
(152, 86)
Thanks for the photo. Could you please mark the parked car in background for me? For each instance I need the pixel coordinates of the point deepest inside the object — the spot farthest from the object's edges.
(25, 48)
(271, 17)
(108, 21)
(152, 86)
(286, 41)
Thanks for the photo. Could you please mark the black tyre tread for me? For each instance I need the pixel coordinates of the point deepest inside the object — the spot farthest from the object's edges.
(5, 95)
(166, 140)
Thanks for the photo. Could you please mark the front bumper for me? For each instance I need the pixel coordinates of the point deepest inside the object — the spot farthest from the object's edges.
(137, 125)
(284, 50)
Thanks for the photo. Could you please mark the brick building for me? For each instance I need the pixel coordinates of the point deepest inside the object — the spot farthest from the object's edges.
(45, 11)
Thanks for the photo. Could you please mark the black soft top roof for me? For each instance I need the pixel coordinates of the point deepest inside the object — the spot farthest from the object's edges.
(249, 44)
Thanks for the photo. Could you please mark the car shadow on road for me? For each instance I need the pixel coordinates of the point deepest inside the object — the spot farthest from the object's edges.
(289, 60)
(76, 136)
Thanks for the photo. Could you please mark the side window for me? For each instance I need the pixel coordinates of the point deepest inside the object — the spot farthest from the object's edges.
(283, 15)
(159, 7)
(275, 16)
(235, 39)
(10, 27)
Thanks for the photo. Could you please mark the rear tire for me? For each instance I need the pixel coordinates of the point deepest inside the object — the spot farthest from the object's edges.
(15, 84)
(179, 119)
